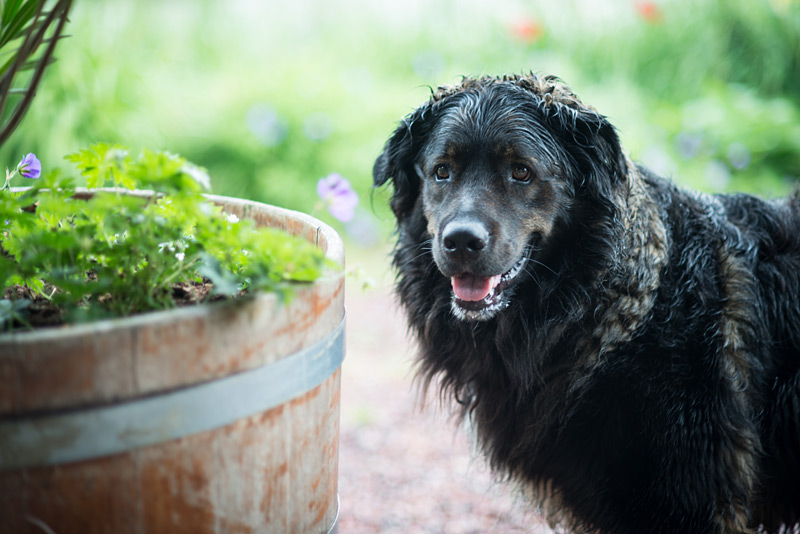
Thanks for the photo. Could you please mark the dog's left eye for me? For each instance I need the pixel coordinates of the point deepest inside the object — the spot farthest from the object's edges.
(521, 173)
(441, 172)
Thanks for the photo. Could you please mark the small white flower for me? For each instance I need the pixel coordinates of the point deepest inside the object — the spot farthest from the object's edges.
(180, 256)
(232, 218)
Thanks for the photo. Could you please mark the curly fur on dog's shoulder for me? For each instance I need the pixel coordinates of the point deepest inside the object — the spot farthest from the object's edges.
(644, 374)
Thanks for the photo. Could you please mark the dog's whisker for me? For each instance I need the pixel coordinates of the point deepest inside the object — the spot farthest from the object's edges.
(537, 262)
(535, 277)
(426, 248)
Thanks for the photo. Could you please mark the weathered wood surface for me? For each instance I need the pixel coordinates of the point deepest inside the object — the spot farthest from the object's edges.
(274, 471)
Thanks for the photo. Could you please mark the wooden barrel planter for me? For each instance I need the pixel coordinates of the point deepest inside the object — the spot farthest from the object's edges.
(221, 418)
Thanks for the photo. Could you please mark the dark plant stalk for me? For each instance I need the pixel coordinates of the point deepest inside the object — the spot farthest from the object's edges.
(32, 41)
(25, 49)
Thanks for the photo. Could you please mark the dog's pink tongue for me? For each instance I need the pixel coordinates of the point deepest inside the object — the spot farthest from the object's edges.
(471, 288)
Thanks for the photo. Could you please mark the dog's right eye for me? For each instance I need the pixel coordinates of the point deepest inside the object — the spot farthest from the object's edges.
(441, 172)
(521, 173)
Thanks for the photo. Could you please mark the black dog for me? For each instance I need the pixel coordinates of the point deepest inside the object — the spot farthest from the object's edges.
(629, 351)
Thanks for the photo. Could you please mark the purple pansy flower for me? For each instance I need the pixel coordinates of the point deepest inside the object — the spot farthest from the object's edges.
(338, 196)
(30, 166)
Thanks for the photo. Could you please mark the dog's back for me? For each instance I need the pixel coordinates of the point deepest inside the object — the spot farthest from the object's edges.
(738, 258)
(770, 233)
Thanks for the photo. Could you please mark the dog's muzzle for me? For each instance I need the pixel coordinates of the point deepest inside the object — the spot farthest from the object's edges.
(476, 296)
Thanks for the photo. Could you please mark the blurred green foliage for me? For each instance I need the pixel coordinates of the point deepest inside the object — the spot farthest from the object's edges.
(271, 96)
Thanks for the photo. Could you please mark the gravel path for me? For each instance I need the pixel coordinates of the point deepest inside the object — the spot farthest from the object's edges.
(404, 468)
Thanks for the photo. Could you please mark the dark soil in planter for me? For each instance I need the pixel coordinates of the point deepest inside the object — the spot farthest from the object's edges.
(42, 312)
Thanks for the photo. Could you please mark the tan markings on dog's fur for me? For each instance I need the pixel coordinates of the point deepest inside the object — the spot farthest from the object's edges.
(737, 284)
(631, 284)
(549, 88)
(551, 505)
(432, 221)
(733, 519)
(542, 220)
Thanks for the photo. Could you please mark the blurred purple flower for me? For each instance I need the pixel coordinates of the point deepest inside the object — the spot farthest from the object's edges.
(338, 195)
(739, 156)
(689, 144)
(30, 166)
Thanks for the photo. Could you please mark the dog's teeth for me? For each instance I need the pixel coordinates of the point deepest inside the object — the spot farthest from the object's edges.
(468, 288)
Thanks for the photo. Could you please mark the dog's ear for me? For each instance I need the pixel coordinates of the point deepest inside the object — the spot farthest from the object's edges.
(593, 143)
(588, 136)
(600, 155)
(396, 162)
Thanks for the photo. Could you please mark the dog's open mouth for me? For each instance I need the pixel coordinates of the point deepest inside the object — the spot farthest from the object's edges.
(479, 298)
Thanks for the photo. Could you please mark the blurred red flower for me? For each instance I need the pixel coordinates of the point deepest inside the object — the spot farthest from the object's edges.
(649, 11)
(527, 30)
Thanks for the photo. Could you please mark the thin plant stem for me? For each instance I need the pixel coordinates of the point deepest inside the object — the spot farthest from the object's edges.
(60, 11)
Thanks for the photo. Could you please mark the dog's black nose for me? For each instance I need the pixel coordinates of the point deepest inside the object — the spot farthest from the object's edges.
(464, 238)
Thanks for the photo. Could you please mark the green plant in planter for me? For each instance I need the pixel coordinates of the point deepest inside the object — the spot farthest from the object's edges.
(68, 258)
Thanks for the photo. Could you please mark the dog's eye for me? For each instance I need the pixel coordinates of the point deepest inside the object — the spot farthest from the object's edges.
(521, 173)
(441, 172)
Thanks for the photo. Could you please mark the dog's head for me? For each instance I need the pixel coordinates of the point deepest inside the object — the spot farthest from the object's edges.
(494, 166)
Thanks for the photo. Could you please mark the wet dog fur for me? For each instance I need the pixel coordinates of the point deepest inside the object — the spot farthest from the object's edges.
(628, 351)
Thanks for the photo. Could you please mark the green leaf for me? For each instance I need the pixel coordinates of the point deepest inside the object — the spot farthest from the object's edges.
(9, 8)
(166, 173)
(102, 163)
(13, 310)
(16, 18)
(224, 281)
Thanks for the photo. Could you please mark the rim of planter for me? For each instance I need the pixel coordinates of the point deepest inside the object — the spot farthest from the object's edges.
(318, 233)
(74, 365)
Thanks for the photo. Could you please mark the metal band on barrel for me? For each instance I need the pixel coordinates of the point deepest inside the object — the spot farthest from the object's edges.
(88, 433)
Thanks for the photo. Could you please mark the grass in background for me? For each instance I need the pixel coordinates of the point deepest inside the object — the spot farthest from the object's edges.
(269, 97)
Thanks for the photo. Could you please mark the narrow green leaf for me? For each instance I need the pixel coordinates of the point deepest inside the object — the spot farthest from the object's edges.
(10, 8)
(18, 21)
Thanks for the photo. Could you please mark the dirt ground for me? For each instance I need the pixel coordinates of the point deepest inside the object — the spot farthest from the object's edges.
(406, 468)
